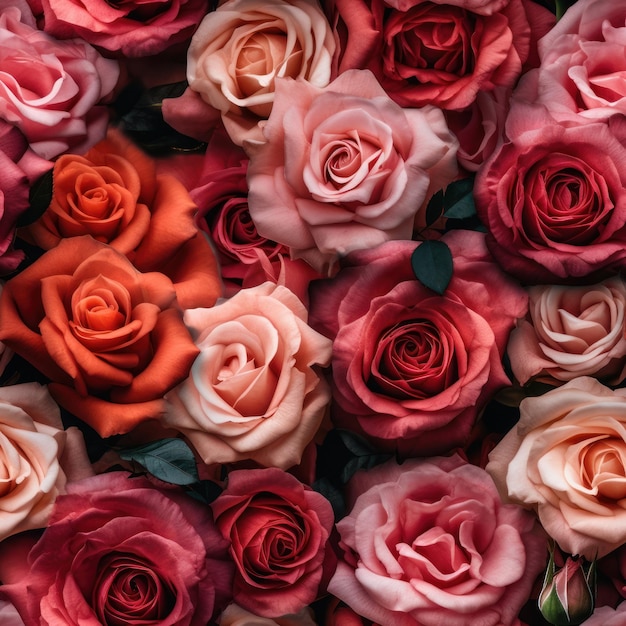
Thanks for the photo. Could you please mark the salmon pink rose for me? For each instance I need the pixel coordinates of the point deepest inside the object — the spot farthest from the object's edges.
(551, 212)
(111, 339)
(412, 369)
(121, 551)
(429, 542)
(52, 90)
(345, 168)
(240, 49)
(566, 459)
(278, 531)
(133, 28)
(570, 332)
(114, 194)
(256, 389)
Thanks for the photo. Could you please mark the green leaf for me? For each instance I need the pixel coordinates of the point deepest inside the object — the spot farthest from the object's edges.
(434, 208)
(334, 495)
(39, 198)
(170, 460)
(432, 265)
(459, 199)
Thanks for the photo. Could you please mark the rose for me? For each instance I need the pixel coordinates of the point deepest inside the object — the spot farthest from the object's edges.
(51, 89)
(239, 50)
(441, 53)
(110, 338)
(133, 29)
(550, 212)
(570, 332)
(344, 168)
(339, 614)
(255, 391)
(582, 64)
(114, 194)
(9, 615)
(21, 167)
(120, 550)
(278, 529)
(429, 542)
(565, 459)
(412, 369)
(32, 441)
(236, 616)
(607, 616)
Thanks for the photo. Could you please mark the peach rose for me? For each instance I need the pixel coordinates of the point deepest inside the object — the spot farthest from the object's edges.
(32, 440)
(255, 391)
(111, 339)
(241, 48)
(570, 332)
(114, 194)
(566, 458)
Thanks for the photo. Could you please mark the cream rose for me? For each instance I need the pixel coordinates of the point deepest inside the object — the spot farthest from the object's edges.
(255, 391)
(242, 47)
(566, 458)
(570, 332)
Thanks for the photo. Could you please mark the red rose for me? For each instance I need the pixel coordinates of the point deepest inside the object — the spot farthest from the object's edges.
(278, 529)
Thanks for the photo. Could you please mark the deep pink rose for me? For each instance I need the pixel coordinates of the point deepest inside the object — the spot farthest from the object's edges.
(345, 168)
(278, 529)
(121, 551)
(440, 53)
(551, 212)
(51, 89)
(133, 28)
(411, 368)
(429, 542)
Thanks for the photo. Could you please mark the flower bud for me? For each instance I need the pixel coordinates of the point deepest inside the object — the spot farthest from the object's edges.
(568, 595)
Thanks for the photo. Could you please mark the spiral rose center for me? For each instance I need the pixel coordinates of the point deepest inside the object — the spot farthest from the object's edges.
(604, 466)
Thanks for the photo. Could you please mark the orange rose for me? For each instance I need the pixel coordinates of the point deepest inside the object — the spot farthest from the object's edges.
(111, 339)
(114, 194)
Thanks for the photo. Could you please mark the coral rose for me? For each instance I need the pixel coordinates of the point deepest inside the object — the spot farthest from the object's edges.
(429, 542)
(52, 90)
(118, 551)
(566, 459)
(570, 332)
(412, 369)
(255, 391)
(114, 194)
(345, 168)
(279, 530)
(110, 338)
(239, 50)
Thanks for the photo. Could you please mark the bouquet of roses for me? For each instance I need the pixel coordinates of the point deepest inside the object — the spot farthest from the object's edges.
(312, 312)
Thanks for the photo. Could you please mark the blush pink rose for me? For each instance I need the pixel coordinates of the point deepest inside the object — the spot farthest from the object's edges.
(412, 369)
(345, 168)
(566, 459)
(607, 616)
(429, 542)
(278, 531)
(52, 90)
(240, 49)
(234, 615)
(551, 212)
(9, 615)
(122, 551)
(256, 389)
(134, 28)
(570, 332)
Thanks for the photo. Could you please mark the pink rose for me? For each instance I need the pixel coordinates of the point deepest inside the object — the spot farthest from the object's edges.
(119, 550)
(240, 49)
(570, 332)
(51, 89)
(482, 7)
(278, 529)
(410, 368)
(9, 615)
(135, 28)
(255, 391)
(429, 542)
(551, 212)
(566, 459)
(345, 168)
(234, 615)
(607, 616)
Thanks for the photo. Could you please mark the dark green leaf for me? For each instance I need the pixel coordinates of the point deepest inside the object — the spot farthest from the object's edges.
(206, 491)
(362, 463)
(432, 265)
(332, 494)
(434, 208)
(39, 198)
(459, 199)
(171, 460)
(355, 444)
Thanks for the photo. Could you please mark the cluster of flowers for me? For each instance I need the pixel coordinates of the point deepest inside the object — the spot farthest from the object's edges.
(312, 312)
